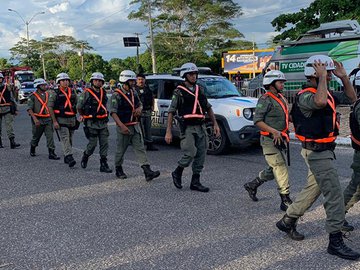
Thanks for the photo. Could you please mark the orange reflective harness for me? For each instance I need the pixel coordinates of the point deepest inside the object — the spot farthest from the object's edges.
(100, 105)
(2, 99)
(67, 103)
(196, 103)
(44, 106)
(331, 137)
(132, 104)
(285, 108)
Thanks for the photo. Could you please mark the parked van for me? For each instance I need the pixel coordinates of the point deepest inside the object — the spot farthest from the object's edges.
(234, 112)
(340, 40)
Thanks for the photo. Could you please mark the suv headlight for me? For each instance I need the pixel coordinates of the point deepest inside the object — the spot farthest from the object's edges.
(248, 114)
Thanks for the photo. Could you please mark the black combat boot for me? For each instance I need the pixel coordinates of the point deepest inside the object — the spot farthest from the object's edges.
(288, 224)
(346, 227)
(120, 173)
(13, 144)
(252, 186)
(70, 160)
(151, 147)
(1, 145)
(176, 175)
(196, 185)
(52, 154)
(84, 160)
(104, 167)
(32, 150)
(337, 247)
(285, 201)
(149, 174)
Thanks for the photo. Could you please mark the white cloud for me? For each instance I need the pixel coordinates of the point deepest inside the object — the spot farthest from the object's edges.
(59, 8)
(103, 23)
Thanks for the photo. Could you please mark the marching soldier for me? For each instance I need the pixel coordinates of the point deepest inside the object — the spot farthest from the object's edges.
(147, 100)
(272, 117)
(316, 126)
(92, 108)
(8, 109)
(62, 107)
(41, 119)
(125, 110)
(352, 191)
(190, 103)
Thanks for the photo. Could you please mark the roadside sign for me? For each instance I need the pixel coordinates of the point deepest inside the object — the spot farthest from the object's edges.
(297, 66)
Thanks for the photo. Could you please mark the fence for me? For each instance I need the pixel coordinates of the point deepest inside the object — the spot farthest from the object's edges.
(291, 88)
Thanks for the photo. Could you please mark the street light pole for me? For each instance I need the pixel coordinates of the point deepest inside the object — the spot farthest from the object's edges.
(27, 22)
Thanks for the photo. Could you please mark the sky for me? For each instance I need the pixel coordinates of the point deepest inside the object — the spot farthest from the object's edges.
(104, 23)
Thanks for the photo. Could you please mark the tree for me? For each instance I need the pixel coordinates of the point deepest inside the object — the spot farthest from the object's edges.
(319, 11)
(4, 63)
(189, 30)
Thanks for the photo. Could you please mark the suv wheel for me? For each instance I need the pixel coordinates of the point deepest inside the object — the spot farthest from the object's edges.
(217, 145)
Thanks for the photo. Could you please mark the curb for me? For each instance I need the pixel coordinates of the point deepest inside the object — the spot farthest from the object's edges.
(339, 140)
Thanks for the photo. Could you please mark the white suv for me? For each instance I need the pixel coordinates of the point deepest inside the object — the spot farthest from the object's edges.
(234, 112)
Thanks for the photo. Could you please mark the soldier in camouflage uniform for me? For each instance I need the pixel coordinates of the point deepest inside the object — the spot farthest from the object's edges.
(272, 117)
(62, 107)
(40, 119)
(125, 110)
(352, 191)
(8, 110)
(191, 105)
(92, 108)
(316, 125)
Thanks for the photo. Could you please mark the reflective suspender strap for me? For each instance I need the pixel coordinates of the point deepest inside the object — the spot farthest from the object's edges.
(67, 103)
(132, 104)
(196, 103)
(99, 101)
(2, 99)
(43, 105)
(285, 108)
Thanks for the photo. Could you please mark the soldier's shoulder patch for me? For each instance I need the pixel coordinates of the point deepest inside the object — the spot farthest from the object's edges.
(259, 105)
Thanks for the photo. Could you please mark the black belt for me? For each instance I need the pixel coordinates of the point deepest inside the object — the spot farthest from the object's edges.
(318, 147)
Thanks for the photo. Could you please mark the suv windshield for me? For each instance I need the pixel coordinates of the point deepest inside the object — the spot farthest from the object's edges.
(217, 87)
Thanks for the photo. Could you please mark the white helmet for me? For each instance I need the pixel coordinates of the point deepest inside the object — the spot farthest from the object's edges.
(272, 76)
(39, 82)
(1, 75)
(62, 76)
(187, 68)
(127, 75)
(310, 71)
(97, 76)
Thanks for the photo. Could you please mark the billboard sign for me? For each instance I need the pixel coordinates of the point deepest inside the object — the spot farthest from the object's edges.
(246, 61)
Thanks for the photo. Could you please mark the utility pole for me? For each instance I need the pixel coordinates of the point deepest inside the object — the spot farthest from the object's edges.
(152, 40)
(43, 61)
(253, 49)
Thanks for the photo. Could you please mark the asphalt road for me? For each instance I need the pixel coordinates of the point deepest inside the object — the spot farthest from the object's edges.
(54, 217)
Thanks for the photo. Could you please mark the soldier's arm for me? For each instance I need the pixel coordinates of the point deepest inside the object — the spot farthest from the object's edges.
(320, 97)
(172, 109)
(349, 90)
(81, 103)
(30, 105)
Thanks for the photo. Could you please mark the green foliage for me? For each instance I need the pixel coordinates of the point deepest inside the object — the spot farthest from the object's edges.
(320, 11)
(190, 30)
